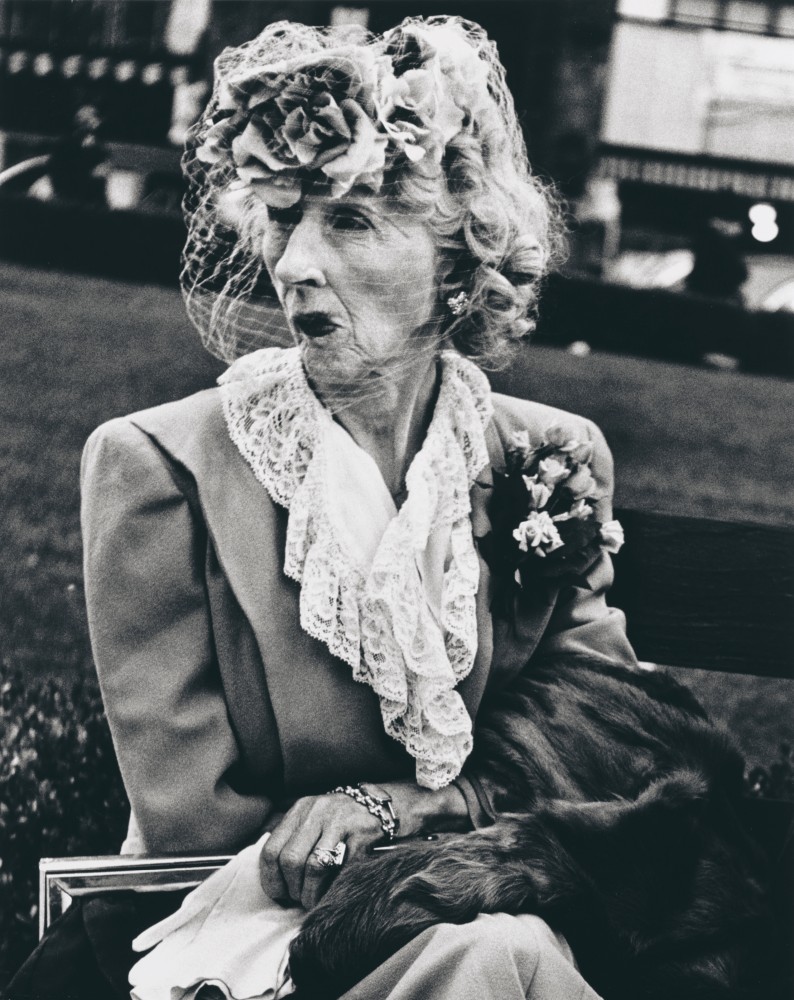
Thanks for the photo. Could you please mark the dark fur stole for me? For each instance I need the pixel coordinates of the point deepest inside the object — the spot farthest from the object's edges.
(618, 822)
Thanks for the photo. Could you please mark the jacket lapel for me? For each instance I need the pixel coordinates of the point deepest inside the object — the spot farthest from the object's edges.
(505, 647)
(302, 678)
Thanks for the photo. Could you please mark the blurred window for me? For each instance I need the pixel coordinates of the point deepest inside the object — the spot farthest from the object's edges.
(648, 10)
(43, 64)
(746, 16)
(71, 66)
(781, 299)
(763, 17)
(187, 23)
(697, 11)
(18, 61)
(350, 15)
(785, 21)
(701, 92)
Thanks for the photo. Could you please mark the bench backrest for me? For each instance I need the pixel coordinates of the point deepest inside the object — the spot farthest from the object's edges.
(716, 595)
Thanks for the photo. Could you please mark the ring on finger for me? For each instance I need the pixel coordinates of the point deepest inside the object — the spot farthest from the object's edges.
(331, 857)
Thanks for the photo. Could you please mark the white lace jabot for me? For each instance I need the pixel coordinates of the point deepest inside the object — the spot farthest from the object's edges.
(390, 593)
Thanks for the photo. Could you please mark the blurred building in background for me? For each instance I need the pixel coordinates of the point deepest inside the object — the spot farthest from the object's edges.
(668, 126)
(131, 67)
(697, 138)
(145, 65)
(140, 71)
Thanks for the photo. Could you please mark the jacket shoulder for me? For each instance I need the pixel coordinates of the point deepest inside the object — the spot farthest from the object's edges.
(512, 414)
(179, 427)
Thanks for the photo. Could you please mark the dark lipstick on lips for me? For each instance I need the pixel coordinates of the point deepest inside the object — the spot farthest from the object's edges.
(313, 324)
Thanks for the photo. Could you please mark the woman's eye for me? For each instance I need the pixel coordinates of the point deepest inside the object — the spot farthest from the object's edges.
(347, 221)
(286, 218)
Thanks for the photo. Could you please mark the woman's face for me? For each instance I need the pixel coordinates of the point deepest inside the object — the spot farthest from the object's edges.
(357, 279)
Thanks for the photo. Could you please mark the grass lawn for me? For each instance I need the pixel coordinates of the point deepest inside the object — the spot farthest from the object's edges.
(686, 440)
(78, 350)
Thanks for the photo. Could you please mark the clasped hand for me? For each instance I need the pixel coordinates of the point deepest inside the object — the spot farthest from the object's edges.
(289, 869)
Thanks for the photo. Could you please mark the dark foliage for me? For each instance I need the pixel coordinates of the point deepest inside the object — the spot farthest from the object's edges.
(60, 794)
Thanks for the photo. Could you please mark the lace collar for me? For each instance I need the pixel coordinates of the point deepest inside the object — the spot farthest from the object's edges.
(390, 593)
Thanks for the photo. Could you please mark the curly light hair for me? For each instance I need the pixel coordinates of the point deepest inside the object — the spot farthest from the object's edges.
(498, 227)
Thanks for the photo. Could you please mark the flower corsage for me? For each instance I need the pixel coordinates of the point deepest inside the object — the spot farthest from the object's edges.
(544, 528)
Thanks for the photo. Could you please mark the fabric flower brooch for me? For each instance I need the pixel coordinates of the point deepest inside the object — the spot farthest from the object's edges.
(543, 518)
(347, 113)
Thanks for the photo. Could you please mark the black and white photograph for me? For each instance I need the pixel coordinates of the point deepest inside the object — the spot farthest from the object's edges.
(396, 500)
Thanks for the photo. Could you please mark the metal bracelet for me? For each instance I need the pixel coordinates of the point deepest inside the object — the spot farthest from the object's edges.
(381, 810)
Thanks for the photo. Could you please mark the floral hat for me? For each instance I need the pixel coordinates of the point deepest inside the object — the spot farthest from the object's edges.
(348, 112)
(300, 105)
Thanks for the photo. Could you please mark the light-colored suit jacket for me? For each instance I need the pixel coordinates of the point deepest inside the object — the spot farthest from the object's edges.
(221, 707)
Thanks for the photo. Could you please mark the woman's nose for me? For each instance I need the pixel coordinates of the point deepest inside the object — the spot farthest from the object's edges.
(302, 260)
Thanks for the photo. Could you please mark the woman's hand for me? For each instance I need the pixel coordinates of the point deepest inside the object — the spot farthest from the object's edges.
(289, 870)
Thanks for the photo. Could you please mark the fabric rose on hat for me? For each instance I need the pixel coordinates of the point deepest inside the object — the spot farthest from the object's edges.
(315, 120)
(416, 107)
(339, 112)
(252, 154)
(417, 113)
(303, 115)
(364, 157)
(218, 138)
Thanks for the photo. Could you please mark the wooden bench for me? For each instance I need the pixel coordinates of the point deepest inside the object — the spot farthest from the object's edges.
(717, 595)
(697, 593)
(714, 595)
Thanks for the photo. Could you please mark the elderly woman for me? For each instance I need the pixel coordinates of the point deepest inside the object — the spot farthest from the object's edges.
(295, 580)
